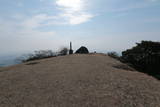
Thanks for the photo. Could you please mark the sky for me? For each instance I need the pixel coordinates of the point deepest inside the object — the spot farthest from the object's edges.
(100, 25)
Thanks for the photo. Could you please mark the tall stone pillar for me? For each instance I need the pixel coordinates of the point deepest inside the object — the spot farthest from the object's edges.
(70, 50)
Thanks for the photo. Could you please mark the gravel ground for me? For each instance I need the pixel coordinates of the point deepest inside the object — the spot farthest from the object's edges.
(93, 80)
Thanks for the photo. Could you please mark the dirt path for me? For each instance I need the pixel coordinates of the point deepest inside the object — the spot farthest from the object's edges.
(77, 81)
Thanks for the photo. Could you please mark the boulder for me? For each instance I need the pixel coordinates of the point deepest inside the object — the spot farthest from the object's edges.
(82, 50)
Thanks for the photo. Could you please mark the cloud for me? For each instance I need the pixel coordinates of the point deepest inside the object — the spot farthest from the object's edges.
(153, 0)
(73, 11)
(75, 19)
(21, 38)
(37, 21)
(72, 5)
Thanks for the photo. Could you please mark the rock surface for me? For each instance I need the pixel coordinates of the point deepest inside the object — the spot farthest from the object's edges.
(82, 50)
(89, 80)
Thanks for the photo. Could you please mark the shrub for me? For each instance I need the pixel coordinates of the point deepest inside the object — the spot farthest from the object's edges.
(113, 55)
(63, 51)
(144, 57)
(37, 55)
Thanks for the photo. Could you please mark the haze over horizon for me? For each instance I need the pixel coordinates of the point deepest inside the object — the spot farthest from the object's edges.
(100, 25)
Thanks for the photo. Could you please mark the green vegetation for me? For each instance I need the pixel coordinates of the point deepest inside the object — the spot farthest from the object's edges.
(37, 55)
(145, 57)
(113, 55)
(42, 54)
(63, 51)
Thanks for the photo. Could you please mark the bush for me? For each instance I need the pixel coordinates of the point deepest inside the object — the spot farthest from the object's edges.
(63, 51)
(37, 55)
(41, 55)
(144, 57)
(113, 55)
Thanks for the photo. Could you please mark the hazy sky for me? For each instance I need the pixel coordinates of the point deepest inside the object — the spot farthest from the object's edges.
(101, 25)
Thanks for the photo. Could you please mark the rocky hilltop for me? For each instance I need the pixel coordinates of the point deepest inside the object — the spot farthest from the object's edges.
(91, 80)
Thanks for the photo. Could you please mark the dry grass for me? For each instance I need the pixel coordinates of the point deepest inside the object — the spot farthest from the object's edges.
(76, 81)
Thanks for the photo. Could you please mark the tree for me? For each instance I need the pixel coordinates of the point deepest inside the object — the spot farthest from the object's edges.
(145, 56)
(63, 51)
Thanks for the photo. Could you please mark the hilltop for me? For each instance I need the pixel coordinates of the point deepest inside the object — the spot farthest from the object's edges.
(91, 80)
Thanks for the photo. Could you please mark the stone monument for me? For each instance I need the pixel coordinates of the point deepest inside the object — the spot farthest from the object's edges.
(70, 50)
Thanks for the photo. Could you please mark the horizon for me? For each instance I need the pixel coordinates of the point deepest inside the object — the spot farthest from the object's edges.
(102, 26)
